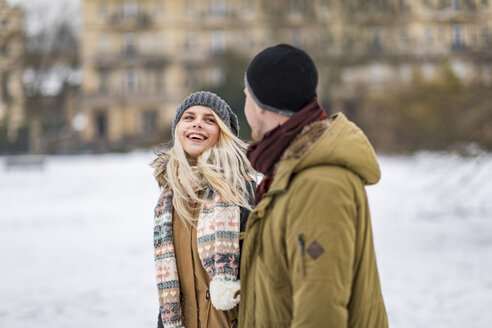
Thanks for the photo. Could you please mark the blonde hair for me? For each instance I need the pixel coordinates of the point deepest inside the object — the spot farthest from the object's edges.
(223, 167)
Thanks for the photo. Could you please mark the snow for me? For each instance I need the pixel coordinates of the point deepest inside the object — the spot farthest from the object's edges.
(76, 241)
(432, 219)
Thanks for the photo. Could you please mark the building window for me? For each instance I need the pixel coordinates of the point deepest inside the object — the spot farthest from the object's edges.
(102, 10)
(191, 77)
(160, 43)
(268, 7)
(159, 81)
(486, 36)
(457, 34)
(460, 69)
(216, 76)
(218, 42)
(324, 4)
(456, 4)
(130, 81)
(218, 7)
(101, 123)
(376, 46)
(296, 6)
(404, 4)
(130, 10)
(427, 35)
(102, 45)
(327, 38)
(159, 9)
(486, 74)
(485, 3)
(103, 81)
(146, 44)
(405, 73)
(190, 41)
(441, 33)
(4, 50)
(149, 121)
(5, 23)
(375, 6)
(5, 93)
(247, 6)
(295, 35)
(426, 3)
(246, 40)
(189, 6)
(130, 45)
(405, 39)
(267, 38)
(428, 70)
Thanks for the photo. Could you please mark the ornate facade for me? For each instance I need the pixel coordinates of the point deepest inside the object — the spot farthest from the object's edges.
(140, 58)
(12, 112)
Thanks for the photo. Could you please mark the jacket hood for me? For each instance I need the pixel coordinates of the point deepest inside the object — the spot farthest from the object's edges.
(159, 165)
(332, 141)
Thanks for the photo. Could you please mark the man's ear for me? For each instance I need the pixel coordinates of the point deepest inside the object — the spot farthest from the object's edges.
(260, 110)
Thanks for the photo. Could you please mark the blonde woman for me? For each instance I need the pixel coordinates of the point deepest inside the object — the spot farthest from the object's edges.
(207, 194)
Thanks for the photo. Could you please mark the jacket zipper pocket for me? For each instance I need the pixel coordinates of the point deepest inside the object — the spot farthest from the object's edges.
(301, 247)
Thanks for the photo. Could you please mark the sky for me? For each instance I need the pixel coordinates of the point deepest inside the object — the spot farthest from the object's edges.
(39, 13)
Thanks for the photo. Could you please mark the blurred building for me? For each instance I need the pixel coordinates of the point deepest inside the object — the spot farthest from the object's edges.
(130, 77)
(12, 113)
(386, 43)
(140, 58)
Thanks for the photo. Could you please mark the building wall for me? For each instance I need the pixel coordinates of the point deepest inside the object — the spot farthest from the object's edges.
(141, 58)
(126, 73)
(12, 113)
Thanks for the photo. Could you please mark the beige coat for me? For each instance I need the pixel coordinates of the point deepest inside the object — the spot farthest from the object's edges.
(198, 311)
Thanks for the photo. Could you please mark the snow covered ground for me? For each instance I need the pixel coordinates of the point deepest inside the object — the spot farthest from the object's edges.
(76, 241)
(432, 219)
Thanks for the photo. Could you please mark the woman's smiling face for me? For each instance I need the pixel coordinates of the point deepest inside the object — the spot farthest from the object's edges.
(197, 130)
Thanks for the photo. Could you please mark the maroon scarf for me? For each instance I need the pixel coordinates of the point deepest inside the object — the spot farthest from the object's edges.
(265, 153)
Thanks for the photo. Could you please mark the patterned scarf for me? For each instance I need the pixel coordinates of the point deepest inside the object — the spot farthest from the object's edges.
(218, 246)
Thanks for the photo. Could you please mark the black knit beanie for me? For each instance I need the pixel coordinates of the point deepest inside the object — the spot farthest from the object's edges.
(282, 79)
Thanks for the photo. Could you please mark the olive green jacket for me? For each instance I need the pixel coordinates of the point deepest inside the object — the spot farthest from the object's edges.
(308, 256)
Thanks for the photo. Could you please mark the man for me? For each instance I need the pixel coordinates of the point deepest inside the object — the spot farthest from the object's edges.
(308, 256)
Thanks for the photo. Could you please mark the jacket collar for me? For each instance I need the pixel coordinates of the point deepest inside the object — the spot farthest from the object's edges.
(299, 148)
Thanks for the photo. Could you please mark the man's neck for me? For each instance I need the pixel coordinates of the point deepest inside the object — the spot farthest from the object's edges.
(272, 121)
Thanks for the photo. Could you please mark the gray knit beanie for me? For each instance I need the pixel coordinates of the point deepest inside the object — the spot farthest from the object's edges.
(212, 101)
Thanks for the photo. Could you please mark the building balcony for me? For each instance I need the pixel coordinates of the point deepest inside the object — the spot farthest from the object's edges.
(141, 21)
(110, 97)
(458, 47)
(129, 58)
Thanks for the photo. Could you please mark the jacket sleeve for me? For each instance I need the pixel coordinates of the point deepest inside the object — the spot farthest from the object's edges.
(320, 242)
(244, 212)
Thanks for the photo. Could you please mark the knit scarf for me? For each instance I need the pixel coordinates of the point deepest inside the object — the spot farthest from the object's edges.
(265, 153)
(218, 247)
